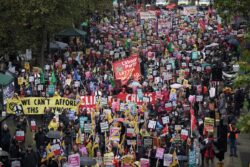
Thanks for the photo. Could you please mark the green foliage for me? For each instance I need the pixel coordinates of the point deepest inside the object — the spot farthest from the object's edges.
(24, 21)
(243, 80)
(244, 123)
(228, 8)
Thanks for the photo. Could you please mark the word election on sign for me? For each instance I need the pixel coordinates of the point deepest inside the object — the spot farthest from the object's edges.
(37, 105)
(89, 102)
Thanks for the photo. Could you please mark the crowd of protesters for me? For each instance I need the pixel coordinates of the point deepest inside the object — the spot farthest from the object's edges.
(185, 61)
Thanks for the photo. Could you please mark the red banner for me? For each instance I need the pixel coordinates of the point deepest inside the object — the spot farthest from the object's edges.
(127, 69)
(89, 102)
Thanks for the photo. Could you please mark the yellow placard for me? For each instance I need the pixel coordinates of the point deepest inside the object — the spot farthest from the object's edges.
(87, 51)
(37, 105)
(173, 90)
(185, 82)
(20, 80)
(27, 66)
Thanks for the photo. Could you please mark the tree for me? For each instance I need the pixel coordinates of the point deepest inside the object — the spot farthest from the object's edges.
(229, 8)
(29, 23)
(244, 123)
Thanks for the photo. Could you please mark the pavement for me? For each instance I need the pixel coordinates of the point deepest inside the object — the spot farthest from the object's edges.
(243, 146)
(243, 152)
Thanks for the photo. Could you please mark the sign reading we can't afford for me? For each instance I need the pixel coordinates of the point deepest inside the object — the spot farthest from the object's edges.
(37, 105)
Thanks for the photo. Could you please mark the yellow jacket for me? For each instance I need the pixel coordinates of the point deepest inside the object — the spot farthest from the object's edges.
(53, 125)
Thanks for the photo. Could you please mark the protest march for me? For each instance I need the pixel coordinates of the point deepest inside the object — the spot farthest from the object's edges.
(143, 90)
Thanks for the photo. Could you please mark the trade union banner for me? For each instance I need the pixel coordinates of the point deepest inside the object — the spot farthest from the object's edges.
(89, 102)
(37, 105)
(127, 68)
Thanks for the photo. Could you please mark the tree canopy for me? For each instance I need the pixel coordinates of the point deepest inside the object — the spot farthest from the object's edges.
(27, 23)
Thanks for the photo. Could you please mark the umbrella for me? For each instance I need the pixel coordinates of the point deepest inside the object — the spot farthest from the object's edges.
(228, 37)
(233, 41)
(3, 153)
(84, 24)
(212, 45)
(176, 86)
(134, 84)
(58, 45)
(71, 32)
(87, 161)
(54, 135)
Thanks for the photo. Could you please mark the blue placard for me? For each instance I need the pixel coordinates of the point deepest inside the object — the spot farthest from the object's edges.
(194, 55)
(51, 90)
(140, 94)
(191, 158)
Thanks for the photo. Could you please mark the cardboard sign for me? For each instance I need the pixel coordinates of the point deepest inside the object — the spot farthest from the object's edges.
(209, 124)
(39, 87)
(20, 80)
(159, 153)
(19, 135)
(87, 128)
(104, 101)
(149, 15)
(168, 106)
(27, 66)
(147, 142)
(131, 142)
(104, 126)
(47, 67)
(192, 158)
(114, 134)
(144, 162)
(184, 134)
(108, 158)
(146, 99)
(165, 120)
(199, 98)
(74, 160)
(167, 159)
(51, 89)
(56, 149)
(130, 132)
(31, 79)
(177, 127)
(37, 81)
(151, 124)
(77, 84)
(140, 94)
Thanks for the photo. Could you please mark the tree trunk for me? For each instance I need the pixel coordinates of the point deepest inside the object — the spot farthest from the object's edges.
(44, 37)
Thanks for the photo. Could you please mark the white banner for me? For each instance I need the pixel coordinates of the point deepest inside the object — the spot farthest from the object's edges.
(148, 15)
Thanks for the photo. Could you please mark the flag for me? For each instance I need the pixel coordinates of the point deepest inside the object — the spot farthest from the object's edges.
(112, 82)
(219, 28)
(127, 44)
(175, 160)
(76, 76)
(53, 78)
(202, 25)
(42, 79)
(78, 57)
(193, 119)
(170, 47)
(209, 11)
(168, 39)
